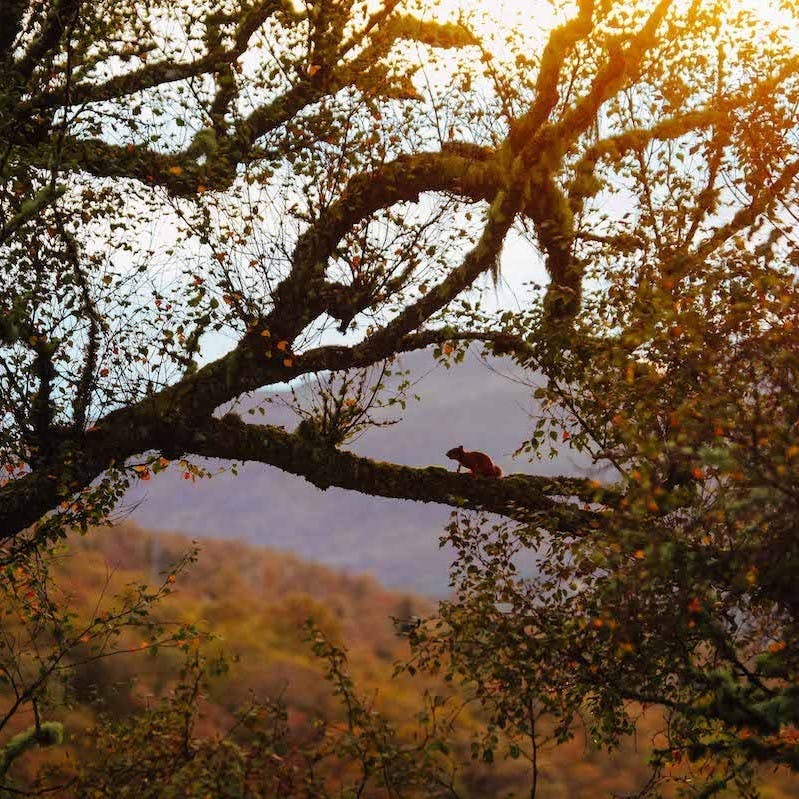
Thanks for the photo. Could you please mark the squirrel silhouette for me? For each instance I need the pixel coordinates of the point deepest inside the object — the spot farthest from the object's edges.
(476, 462)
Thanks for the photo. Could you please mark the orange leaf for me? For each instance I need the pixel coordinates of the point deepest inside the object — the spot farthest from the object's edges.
(790, 733)
(175, 170)
(282, 345)
(313, 69)
(288, 362)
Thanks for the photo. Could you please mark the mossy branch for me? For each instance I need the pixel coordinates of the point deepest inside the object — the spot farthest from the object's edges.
(50, 733)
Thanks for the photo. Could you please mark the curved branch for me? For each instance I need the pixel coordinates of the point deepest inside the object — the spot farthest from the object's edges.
(746, 216)
(300, 298)
(561, 40)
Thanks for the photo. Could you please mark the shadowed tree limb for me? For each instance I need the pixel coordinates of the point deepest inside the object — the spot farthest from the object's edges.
(527, 498)
(177, 421)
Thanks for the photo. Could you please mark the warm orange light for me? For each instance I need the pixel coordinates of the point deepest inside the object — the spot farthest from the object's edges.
(493, 17)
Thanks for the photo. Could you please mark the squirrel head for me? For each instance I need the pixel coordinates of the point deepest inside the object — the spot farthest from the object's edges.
(455, 452)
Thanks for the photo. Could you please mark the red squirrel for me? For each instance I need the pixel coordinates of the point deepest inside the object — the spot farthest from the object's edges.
(478, 463)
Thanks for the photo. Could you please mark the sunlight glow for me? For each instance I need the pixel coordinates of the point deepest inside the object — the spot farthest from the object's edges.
(494, 17)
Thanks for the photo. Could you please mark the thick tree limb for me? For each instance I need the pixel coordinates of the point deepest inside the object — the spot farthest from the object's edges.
(167, 420)
(523, 497)
(560, 42)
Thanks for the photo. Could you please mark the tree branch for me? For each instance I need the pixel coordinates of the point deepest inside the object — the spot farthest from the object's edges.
(526, 498)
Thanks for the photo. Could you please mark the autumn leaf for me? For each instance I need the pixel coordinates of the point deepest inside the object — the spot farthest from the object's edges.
(790, 734)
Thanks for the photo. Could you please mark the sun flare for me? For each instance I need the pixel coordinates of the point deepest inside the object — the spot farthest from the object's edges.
(492, 18)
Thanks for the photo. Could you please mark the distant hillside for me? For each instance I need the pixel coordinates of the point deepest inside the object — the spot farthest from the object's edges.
(255, 602)
(472, 404)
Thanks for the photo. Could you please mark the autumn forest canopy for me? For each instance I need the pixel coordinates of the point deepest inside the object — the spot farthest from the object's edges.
(203, 199)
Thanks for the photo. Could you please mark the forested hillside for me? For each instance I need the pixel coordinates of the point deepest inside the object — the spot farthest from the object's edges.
(251, 605)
